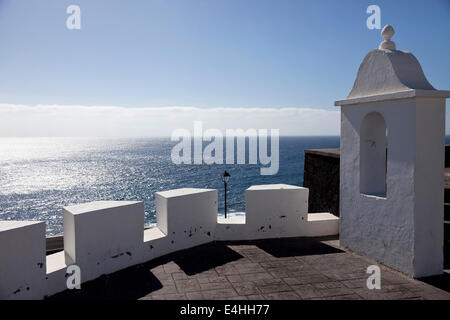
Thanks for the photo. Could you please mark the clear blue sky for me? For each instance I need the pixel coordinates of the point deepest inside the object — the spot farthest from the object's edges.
(208, 53)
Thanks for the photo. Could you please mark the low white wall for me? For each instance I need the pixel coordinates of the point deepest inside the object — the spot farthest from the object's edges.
(56, 273)
(102, 237)
(322, 224)
(276, 211)
(22, 260)
(231, 228)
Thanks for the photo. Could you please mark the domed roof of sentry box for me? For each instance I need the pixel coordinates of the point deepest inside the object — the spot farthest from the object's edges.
(387, 73)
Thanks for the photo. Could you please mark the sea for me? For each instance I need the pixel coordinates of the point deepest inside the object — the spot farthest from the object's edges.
(39, 176)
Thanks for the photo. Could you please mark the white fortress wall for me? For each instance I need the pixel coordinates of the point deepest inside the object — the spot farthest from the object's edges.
(102, 237)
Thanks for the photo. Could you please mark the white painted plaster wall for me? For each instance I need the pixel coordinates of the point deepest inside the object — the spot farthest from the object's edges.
(404, 228)
(187, 216)
(103, 236)
(22, 260)
(322, 224)
(429, 186)
(56, 273)
(231, 228)
(274, 211)
(381, 228)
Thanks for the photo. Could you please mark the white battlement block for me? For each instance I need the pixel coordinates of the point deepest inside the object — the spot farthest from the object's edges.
(22, 260)
(275, 211)
(187, 216)
(102, 237)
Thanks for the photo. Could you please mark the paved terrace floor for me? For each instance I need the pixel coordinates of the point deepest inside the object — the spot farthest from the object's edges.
(294, 268)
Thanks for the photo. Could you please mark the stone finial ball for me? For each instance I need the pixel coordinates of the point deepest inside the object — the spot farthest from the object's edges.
(388, 32)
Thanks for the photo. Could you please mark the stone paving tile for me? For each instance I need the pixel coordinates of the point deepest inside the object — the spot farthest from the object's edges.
(307, 291)
(272, 264)
(329, 285)
(241, 261)
(251, 267)
(217, 279)
(171, 267)
(206, 274)
(195, 295)
(258, 256)
(386, 292)
(422, 289)
(215, 285)
(435, 296)
(188, 285)
(286, 269)
(344, 297)
(379, 295)
(393, 278)
(161, 275)
(235, 278)
(236, 298)
(303, 273)
(178, 276)
(311, 260)
(167, 282)
(165, 290)
(298, 267)
(227, 270)
(153, 297)
(255, 297)
(246, 288)
(291, 281)
(219, 293)
(265, 282)
(331, 292)
(355, 283)
(336, 275)
(313, 278)
(257, 276)
(270, 288)
(286, 295)
(278, 273)
(175, 296)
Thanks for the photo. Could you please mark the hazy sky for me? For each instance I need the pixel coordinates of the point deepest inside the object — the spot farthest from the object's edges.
(206, 55)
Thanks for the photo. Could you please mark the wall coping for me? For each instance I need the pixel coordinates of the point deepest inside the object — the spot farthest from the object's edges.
(328, 152)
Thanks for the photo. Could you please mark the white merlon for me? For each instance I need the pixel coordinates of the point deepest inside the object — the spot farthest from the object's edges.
(187, 216)
(22, 260)
(274, 211)
(103, 236)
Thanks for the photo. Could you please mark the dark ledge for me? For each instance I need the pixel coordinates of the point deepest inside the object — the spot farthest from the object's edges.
(331, 152)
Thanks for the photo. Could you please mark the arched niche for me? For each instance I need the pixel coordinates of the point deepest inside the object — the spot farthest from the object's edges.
(373, 141)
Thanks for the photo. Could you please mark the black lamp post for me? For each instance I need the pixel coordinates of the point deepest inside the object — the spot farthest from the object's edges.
(225, 177)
